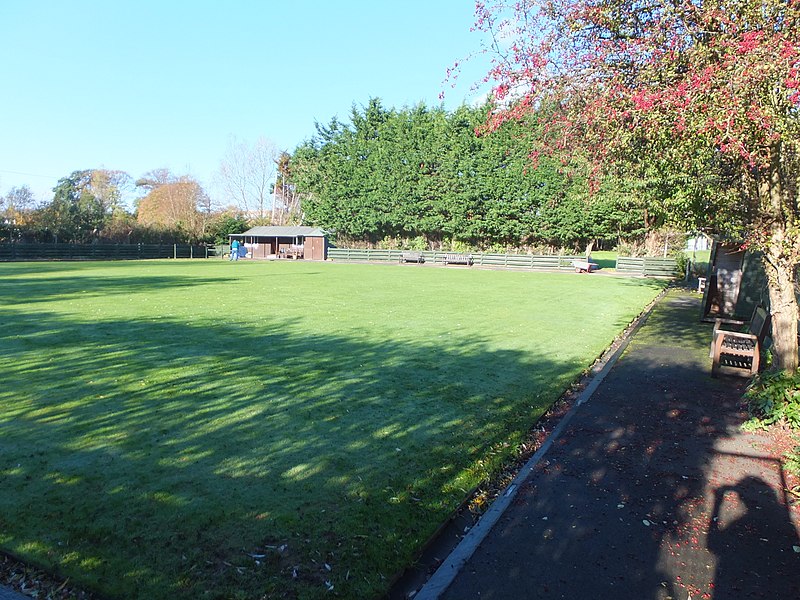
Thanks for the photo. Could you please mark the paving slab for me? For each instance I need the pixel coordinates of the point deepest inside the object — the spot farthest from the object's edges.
(652, 490)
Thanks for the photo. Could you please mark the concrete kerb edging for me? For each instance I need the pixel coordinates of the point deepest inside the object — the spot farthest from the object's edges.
(452, 565)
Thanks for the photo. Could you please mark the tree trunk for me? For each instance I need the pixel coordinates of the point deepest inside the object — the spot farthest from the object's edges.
(780, 263)
(784, 311)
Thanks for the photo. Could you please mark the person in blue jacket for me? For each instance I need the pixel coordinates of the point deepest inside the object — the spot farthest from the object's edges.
(234, 250)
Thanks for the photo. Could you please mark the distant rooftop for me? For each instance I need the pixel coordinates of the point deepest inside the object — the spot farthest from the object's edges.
(282, 231)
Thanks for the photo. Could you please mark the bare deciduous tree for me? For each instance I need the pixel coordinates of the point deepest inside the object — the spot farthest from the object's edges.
(247, 174)
(17, 199)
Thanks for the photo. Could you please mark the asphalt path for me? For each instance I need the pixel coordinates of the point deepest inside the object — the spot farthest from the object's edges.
(9, 594)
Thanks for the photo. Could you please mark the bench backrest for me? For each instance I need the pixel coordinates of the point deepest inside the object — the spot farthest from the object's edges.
(759, 322)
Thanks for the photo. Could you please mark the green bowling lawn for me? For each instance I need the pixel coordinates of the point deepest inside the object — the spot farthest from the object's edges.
(206, 429)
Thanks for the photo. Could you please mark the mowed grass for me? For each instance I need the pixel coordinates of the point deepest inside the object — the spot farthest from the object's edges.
(179, 429)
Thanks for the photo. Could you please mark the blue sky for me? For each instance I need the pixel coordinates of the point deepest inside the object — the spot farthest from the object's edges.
(140, 85)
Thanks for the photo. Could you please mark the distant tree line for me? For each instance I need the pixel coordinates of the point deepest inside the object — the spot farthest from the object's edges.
(424, 177)
(87, 207)
(94, 205)
(416, 177)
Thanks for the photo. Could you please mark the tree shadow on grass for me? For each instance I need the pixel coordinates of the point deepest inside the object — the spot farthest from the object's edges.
(32, 283)
(164, 459)
(31, 290)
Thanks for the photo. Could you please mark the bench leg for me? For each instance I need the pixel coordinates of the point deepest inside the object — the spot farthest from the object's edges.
(756, 360)
(716, 351)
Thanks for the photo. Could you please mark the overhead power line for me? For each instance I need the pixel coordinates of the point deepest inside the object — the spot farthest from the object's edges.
(28, 174)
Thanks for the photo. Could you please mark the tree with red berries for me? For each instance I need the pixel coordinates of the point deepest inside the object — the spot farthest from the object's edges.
(688, 81)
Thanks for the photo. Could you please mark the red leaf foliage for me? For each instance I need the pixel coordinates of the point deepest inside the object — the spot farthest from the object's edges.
(618, 71)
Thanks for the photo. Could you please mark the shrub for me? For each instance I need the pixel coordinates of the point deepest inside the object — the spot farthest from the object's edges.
(793, 461)
(417, 243)
(774, 397)
(681, 263)
(459, 246)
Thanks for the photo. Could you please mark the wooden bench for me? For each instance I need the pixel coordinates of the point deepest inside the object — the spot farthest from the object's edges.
(584, 266)
(735, 352)
(294, 253)
(412, 256)
(458, 259)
